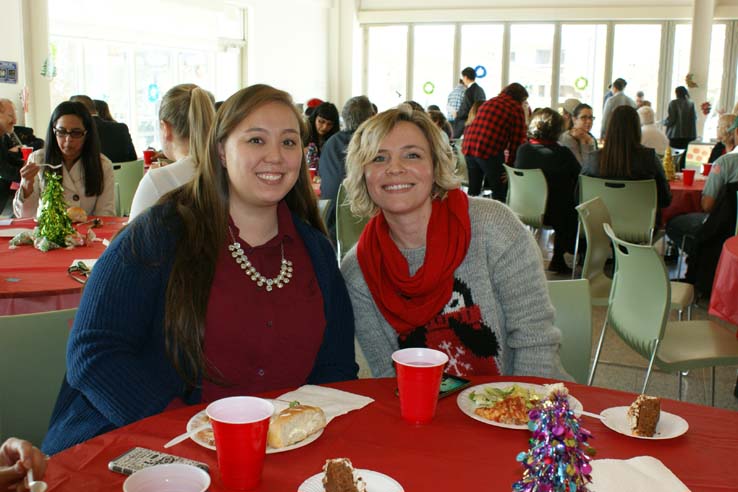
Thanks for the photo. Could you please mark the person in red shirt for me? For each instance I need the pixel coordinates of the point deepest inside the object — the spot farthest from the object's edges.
(498, 126)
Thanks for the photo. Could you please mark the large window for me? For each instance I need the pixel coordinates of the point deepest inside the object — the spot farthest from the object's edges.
(531, 65)
(433, 61)
(481, 46)
(582, 66)
(680, 63)
(636, 59)
(386, 79)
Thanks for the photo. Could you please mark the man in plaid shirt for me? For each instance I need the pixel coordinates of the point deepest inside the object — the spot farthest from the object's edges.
(498, 126)
(454, 101)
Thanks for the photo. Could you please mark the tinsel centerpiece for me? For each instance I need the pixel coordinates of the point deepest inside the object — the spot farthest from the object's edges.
(53, 222)
(668, 163)
(559, 454)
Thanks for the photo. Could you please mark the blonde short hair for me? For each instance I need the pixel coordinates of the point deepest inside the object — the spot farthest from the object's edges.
(364, 147)
(724, 122)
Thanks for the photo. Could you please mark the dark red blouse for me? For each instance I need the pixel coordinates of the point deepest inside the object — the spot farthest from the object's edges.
(261, 340)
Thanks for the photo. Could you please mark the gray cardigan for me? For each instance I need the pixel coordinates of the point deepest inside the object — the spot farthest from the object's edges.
(504, 271)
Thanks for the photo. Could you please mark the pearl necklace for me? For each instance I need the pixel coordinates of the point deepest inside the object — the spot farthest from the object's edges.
(285, 269)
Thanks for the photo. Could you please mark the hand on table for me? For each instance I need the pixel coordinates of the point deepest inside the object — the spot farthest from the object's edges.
(16, 458)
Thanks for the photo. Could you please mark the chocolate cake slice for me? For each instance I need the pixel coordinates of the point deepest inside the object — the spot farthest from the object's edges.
(340, 476)
(643, 415)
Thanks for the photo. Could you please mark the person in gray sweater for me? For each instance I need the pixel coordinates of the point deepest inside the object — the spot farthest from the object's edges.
(435, 268)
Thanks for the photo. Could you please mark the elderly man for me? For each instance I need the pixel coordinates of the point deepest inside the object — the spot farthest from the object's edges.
(115, 139)
(10, 158)
(618, 98)
(332, 165)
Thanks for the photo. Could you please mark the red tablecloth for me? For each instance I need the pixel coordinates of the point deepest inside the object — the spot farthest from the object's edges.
(684, 199)
(453, 453)
(724, 297)
(33, 281)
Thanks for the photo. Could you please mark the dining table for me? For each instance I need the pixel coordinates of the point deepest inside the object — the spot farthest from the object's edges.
(453, 452)
(685, 199)
(724, 294)
(33, 281)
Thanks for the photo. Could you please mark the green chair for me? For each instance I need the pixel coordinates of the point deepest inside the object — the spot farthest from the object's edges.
(33, 363)
(527, 195)
(348, 226)
(324, 205)
(593, 215)
(573, 317)
(461, 169)
(632, 205)
(639, 313)
(127, 177)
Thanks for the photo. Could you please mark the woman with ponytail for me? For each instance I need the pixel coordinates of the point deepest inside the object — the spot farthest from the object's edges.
(185, 116)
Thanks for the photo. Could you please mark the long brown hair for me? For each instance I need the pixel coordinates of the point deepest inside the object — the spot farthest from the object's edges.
(622, 140)
(202, 207)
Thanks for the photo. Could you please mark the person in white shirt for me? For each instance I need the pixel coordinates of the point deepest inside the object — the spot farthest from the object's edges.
(651, 135)
(87, 175)
(186, 115)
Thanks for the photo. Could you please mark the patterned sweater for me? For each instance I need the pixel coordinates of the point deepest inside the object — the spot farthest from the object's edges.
(499, 312)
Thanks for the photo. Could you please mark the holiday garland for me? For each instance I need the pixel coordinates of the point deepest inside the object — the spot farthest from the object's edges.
(559, 454)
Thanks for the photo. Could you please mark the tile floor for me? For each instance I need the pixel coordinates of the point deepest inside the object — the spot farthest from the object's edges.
(623, 369)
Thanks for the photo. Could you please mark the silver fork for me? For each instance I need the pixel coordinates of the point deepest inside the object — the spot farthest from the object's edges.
(52, 166)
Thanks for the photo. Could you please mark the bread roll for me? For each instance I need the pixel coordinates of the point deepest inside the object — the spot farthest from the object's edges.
(293, 424)
(77, 214)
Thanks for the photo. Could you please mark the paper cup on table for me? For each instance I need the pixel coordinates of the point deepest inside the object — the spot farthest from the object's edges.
(688, 177)
(240, 425)
(172, 477)
(419, 372)
(706, 169)
(148, 155)
(26, 151)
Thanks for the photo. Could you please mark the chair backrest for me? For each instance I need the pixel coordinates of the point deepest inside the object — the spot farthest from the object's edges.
(632, 205)
(324, 205)
(527, 194)
(462, 170)
(33, 363)
(593, 214)
(127, 177)
(348, 226)
(573, 317)
(640, 297)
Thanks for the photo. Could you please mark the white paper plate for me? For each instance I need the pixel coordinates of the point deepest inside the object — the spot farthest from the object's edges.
(200, 419)
(669, 426)
(13, 231)
(375, 482)
(467, 406)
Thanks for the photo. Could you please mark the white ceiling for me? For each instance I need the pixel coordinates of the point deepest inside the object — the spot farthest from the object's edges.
(492, 4)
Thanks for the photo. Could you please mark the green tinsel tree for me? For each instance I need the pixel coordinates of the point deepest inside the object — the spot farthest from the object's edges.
(53, 223)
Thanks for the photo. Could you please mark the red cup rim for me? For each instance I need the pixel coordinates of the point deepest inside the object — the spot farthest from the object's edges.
(266, 407)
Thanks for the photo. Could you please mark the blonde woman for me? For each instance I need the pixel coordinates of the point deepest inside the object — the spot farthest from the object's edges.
(185, 116)
(435, 268)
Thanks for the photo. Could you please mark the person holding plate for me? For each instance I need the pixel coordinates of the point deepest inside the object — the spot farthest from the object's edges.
(435, 268)
(227, 286)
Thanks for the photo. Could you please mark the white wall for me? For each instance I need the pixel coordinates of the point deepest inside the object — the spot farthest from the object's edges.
(11, 49)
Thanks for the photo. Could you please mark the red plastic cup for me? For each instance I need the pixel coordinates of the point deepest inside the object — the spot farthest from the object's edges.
(26, 151)
(148, 155)
(240, 425)
(688, 177)
(706, 169)
(419, 372)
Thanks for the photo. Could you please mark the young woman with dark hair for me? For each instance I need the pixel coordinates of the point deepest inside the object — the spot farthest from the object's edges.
(87, 175)
(623, 156)
(579, 138)
(323, 124)
(228, 286)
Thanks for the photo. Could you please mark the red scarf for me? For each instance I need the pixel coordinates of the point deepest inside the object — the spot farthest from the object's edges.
(409, 302)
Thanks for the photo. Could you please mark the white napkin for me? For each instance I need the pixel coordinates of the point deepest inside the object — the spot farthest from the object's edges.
(639, 474)
(333, 402)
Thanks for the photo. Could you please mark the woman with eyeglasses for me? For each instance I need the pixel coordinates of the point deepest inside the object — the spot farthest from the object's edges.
(579, 138)
(87, 175)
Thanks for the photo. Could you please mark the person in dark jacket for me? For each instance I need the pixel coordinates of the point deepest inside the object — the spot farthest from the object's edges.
(10, 158)
(561, 169)
(623, 157)
(115, 139)
(681, 122)
(332, 167)
(472, 94)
